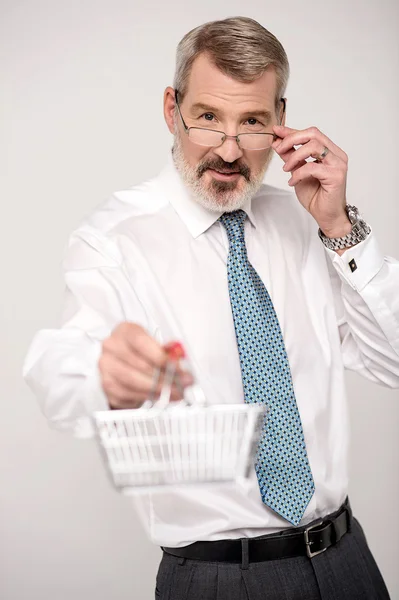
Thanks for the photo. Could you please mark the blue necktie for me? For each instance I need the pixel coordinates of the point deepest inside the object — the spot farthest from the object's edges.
(285, 479)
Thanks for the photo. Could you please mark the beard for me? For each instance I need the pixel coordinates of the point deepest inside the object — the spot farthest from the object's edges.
(219, 195)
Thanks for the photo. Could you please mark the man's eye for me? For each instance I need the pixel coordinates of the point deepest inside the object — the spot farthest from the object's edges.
(206, 115)
(253, 119)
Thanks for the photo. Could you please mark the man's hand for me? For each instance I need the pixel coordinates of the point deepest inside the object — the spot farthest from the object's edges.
(320, 187)
(128, 364)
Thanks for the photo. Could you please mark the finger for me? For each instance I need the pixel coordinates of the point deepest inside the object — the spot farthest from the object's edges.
(180, 380)
(131, 378)
(316, 170)
(135, 381)
(286, 156)
(300, 137)
(122, 396)
(120, 349)
(117, 348)
(143, 344)
(312, 149)
(282, 131)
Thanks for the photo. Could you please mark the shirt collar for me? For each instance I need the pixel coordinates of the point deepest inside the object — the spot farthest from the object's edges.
(196, 217)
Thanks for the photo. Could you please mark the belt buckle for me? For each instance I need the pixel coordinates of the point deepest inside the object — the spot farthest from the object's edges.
(309, 543)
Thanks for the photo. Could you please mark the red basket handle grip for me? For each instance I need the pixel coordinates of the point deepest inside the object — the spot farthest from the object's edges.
(174, 351)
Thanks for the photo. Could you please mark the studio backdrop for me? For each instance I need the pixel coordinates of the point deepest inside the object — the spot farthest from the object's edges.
(81, 116)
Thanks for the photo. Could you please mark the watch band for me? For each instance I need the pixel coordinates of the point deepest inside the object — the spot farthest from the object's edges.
(360, 230)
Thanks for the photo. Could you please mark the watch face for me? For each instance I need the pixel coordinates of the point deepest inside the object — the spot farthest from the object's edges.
(353, 214)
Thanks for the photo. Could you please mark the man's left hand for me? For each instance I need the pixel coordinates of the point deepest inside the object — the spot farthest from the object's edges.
(319, 186)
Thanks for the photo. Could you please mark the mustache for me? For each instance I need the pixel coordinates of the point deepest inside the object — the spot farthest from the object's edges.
(221, 165)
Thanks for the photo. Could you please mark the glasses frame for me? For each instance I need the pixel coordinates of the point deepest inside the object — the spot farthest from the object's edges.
(223, 134)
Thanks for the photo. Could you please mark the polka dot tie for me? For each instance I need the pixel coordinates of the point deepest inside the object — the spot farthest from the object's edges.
(282, 467)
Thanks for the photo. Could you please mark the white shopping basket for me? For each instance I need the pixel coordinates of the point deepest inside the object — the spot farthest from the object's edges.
(148, 448)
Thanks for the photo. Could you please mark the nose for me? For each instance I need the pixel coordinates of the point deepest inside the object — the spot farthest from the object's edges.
(229, 151)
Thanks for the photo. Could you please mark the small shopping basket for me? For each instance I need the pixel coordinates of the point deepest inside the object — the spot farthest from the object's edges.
(167, 443)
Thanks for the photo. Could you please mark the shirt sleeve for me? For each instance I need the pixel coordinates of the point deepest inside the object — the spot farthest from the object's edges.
(366, 294)
(61, 366)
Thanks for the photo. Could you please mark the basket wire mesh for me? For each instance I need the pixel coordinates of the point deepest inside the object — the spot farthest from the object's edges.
(166, 443)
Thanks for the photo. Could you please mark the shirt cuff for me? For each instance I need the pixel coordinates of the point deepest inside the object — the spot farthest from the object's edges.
(358, 264)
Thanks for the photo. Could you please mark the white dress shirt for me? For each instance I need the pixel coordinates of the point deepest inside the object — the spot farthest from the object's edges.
(152, 255)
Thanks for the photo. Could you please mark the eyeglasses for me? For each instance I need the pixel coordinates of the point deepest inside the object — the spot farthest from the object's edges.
(214, 138)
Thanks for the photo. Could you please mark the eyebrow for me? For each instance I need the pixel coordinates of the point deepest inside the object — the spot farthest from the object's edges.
(264, 114)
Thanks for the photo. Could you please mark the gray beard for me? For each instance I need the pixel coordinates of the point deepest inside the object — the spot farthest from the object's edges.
(221, 196)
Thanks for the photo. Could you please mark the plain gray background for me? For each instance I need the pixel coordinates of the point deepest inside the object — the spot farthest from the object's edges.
(82, 83)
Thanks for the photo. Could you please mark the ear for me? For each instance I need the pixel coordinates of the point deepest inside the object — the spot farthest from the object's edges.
(169, 108)
(283, 111)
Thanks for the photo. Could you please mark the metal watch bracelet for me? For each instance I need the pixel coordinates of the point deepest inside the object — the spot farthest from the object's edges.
(360, 230)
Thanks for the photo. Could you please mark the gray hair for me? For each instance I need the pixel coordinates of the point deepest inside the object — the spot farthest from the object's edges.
(239, 47)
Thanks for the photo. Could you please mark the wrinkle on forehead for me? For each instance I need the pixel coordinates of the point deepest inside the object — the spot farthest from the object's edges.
(209, 85)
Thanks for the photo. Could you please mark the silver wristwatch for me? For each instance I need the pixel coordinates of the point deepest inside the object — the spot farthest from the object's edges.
(360, 231)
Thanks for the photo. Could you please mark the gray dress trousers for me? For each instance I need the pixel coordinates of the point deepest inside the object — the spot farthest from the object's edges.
(345, 571)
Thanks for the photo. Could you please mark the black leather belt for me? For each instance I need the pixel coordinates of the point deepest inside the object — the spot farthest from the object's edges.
(309, 540)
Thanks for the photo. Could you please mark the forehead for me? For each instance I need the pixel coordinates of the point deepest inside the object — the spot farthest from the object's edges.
(208, 84)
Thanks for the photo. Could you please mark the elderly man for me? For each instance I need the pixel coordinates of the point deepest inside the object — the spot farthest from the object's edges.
(272, 294)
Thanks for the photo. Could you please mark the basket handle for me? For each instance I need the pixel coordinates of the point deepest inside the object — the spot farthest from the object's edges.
(174, 352)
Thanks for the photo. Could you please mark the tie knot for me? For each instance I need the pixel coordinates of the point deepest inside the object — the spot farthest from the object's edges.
(234, 223)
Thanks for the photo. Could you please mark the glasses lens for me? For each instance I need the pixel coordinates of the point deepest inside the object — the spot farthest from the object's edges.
(255, 141)
(205, 137)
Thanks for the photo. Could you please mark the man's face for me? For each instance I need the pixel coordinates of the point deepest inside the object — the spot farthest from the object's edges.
(216, 101)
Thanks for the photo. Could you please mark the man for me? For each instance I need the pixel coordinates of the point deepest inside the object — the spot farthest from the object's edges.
(271, 293)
